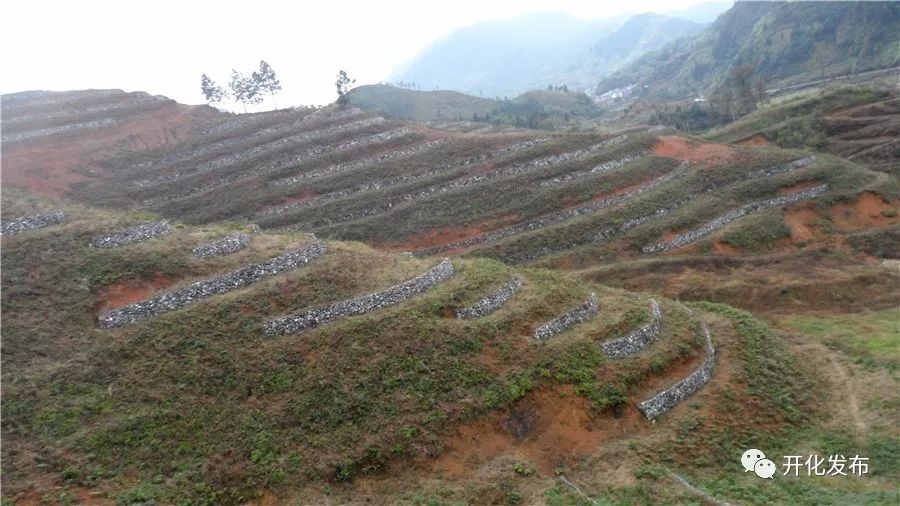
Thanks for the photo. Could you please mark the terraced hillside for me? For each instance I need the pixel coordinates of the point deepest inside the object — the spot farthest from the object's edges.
(196, 402)
(174, 332)
(856, 123)
(566, 199)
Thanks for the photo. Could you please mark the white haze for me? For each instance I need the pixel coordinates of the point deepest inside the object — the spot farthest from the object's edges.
(163, 46)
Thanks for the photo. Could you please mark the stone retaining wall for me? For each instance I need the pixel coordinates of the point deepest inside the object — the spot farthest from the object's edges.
(31, 222)
(360, 305)
(702, 231)
(597, 170)
(564, 321)
(138, 233)
(667, 399)
(637, 339)
(63, 129)
(224, 246)
(273, 146)
(559, 216)
(404, 152)
(397, 180)
(218, 285)
(182, 157)
(492, 302)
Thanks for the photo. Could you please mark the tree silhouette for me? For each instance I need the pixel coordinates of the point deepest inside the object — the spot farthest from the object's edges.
(243, 89)
(343, 84)
(211, 91)
(266, 81)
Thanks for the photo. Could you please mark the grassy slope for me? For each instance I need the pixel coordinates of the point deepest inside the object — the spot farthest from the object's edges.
(124, 410)
(802, 120)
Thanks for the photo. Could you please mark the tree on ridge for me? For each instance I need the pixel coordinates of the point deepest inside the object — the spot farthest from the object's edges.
(343, 84)
(211, 91)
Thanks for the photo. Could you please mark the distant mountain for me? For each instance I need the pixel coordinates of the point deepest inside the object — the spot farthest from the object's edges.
(508, 57)
(792, 41)
(536, 109)
(704, 13)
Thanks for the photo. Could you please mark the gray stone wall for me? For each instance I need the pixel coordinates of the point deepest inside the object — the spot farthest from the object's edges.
(597, 170)
(609, 232)
(667, 399)
(363, 162)
(405, 178)
(566, 320)
(62, 129)
(224, 246)
(218, 285)
(138, 233)
(637, 339)
(492, 302)
(704, 230)
(557, 217)
(31, 222)
(360, 305)
(264, 149)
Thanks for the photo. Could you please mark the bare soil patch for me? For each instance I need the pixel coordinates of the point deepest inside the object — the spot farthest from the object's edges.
(130, 291)
(757, 139)
(680, 148)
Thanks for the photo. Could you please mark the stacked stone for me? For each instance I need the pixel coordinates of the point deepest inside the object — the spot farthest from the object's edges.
(138, 233)
(636, 340)
(360, 305)
(363, 162)
(43, 132)
(557, 217)
(602, 168)
(261, 150)
(31, 222)
(492, 302)
(220, 284)
(700, 232)
(564, 321)
(393, 181)
(667, 399)
(780, 169)
(213, 147)
(519, 168)
(224, 246)
(93, 110)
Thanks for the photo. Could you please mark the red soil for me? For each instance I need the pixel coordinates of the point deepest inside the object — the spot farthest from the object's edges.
(563, 429)
(866, 212)
(448, 235)
(133, 290)
(680, 148)
(801, 222)
(303, 196)
(725, 249)
(47, 166)
(757, 139)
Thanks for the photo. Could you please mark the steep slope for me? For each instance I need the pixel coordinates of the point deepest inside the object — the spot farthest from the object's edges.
(196, 402)
(393, 403)
(506, 58)
(83, 126)
(784, 41)
(857, 123)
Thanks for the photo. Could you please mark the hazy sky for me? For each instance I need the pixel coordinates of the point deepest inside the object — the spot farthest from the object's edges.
(163, 46)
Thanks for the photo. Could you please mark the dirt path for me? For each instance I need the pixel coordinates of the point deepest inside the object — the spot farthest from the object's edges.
(852, 400)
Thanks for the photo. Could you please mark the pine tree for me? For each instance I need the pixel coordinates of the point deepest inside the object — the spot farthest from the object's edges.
(211, 91)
